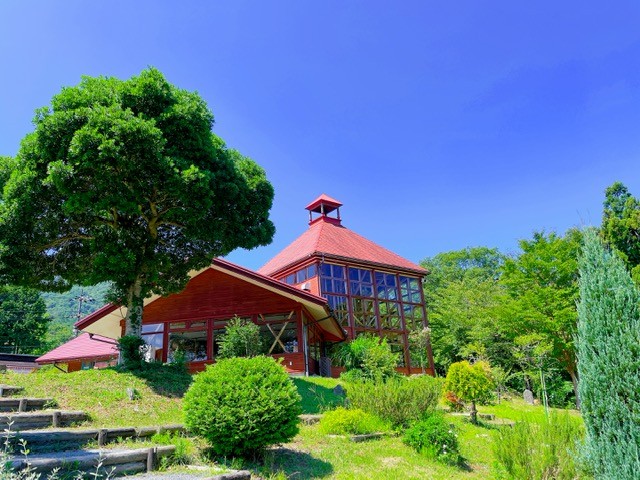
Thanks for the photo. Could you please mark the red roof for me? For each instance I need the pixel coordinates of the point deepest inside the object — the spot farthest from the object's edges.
(326, 200)
(83, 347)
(333, 240)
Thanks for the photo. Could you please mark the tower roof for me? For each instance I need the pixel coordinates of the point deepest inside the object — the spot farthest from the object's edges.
(328, 238)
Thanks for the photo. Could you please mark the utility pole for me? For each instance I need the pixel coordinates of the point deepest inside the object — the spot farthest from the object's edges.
(82, 298)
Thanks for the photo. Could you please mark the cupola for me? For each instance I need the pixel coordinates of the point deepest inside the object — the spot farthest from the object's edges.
(322, 207)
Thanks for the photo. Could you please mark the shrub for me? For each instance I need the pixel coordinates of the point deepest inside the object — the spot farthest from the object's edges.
(240, 339)
(435, 438)
(368, 358)
(351, 422)
(399, 400)
(132, 349)
(470, 383)
(242, 405)
(608, 351)
(545, 450)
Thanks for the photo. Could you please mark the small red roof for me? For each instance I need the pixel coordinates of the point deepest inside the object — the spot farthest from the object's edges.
(334, 240)
(83, 347)
(326, 200)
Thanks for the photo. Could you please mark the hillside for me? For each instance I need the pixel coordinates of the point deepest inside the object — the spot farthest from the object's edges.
(64, 310)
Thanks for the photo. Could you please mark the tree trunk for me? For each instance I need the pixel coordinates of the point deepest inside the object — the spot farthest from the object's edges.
(473, 413)
(135, 303)
(574, 380)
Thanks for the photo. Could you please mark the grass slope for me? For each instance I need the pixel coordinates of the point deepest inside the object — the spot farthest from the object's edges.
(103, 395)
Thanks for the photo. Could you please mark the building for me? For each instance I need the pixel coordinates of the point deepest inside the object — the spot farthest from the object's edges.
(328, 286)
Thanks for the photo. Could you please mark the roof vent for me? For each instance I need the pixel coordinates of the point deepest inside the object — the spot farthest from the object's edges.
(306, 286)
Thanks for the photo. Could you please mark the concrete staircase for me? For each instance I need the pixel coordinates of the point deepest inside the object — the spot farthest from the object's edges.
(27, 425)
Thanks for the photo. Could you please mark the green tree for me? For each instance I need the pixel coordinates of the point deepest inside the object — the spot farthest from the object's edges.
(463, 298)
(123, 181)
(23, 320)
(542, 284)
(608, 348)
(621, 226)
(240, 339)
(470, 383)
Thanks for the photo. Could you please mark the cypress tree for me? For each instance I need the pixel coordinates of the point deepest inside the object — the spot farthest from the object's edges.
(608, 351)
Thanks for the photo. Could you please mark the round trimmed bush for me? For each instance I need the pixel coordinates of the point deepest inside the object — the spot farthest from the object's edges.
(242, 405)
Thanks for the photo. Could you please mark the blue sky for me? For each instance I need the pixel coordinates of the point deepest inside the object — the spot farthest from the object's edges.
(439, 125)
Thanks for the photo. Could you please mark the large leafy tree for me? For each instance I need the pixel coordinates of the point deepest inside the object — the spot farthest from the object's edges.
(463, 296)
(542, 284)
(608, 348)
(23, 320)
(621, 226)
(123, 181)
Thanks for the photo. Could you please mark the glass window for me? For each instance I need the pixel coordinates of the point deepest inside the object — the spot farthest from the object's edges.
(191, 345)
(410, 289)
(290, 279)
(386, 286)
(333, 279)
(360, 282)
(414, 317)
(396, 342)
(311, 271)
(389, 316)
(340, 309)
(280, 337)
(364, 313)
(153, 328)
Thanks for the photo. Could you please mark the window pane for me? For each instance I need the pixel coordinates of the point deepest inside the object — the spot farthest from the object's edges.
(153, 328)
(311, 271)
(193, 345)
(325, 269)
(291, 279)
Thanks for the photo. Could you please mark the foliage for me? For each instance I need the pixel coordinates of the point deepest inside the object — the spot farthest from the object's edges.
(242, 405)
(241, 338)
(184, 452)
(608, 342)
(539, 450)
(23, 320)
(435, 438)
(368, 358)
(541, 316)
(123, 181)
(621, 226)
(470, 383)
(65, 309)
(419, 343)
(401, 400)
(463, 296)
(132, 349)
(317, 393)
(342, 421)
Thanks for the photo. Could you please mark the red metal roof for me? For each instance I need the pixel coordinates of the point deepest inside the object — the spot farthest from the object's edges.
(84, 346)
(330, 239)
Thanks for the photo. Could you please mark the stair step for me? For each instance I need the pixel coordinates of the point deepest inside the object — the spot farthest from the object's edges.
(73, 438)
(118, 461)
(27, 404)
(8, 390)
(30, 420)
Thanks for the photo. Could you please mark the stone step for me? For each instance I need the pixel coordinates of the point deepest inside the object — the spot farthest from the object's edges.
(30, 420)
(93, 461)
(24, 404)
(60, 439)
(8, 390)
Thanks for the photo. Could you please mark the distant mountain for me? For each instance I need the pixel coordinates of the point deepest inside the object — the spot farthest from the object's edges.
(67, 308)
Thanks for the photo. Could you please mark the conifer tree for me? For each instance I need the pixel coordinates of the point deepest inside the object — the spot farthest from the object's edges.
(608, 351)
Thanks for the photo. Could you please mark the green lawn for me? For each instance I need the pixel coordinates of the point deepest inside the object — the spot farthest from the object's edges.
(312, 455)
